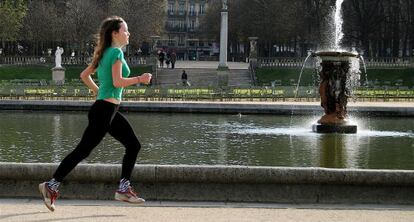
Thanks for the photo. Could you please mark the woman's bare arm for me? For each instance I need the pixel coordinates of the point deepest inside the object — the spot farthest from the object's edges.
(87, 79)
(120, 81)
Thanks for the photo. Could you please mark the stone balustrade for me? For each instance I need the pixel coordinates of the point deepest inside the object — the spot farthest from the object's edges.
(293, 62)
(66, 60)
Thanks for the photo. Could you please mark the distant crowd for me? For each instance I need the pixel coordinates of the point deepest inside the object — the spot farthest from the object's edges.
(167, 57)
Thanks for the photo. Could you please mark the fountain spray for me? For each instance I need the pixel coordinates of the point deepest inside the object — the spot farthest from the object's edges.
(338, 24)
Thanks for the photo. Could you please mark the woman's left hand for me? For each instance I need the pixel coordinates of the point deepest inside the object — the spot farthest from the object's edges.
(145, 78)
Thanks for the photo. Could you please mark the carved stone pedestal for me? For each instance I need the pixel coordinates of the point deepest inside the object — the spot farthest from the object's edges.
(58, 75)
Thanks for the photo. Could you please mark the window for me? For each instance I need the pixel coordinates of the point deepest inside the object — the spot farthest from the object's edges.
(171, 8)
(181, 40)
(181, 24)
(192, 9)
(171, 40)
(192, 24)
(170, 24)
(181, 8)
(202, 7)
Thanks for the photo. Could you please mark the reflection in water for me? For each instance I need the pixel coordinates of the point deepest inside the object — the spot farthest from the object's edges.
(339, 151)
(333, 152)
(56, 138)
(214, 139)
(222, 140)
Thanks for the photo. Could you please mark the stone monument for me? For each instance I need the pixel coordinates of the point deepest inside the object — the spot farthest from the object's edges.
(154, 58)
(58, 72)
(223, 69)
(253, 52)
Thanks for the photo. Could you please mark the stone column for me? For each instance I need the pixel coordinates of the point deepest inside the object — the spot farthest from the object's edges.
(154, 59)
(222, 71)
(223, 39)
(154, 40)
(253, 51)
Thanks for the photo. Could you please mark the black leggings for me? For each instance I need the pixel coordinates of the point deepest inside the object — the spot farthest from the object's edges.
(104, 117)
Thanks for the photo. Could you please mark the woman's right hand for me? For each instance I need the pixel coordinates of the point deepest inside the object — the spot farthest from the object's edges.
(145, 78)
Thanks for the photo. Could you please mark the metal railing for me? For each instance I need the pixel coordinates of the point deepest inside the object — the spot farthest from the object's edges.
(66, 60)
(390, 62)
(297, 62)
(282, 93)
(281, 62)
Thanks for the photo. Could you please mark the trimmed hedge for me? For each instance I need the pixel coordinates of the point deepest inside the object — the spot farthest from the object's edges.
(309, 76)
(8, 72)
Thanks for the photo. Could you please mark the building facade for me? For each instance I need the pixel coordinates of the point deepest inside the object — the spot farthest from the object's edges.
(182, 30)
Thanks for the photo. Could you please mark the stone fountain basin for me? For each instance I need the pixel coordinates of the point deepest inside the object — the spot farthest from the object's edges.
(335, 55)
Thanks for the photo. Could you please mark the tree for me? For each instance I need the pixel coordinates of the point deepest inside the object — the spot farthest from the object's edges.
(40, 28)
(273, 21)
(363, 24)
(379, 27)
(79, 25)
(144, 17)
(12, 13)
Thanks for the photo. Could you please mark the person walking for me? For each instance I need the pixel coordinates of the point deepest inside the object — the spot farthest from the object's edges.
(161, 58)
(184, 78)
(173, 59)
(168, 59)
(112, 70)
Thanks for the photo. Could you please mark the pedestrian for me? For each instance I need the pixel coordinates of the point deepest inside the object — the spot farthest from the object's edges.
(161, 57)
(184, 78)
(168, 59)
(112, 70)
(173, 59)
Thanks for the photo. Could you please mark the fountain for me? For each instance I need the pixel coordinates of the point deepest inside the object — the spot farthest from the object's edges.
(335, 89)
(337, 77)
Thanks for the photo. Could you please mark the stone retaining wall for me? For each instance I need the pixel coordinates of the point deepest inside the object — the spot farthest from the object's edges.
(210, 107)
(218, 183)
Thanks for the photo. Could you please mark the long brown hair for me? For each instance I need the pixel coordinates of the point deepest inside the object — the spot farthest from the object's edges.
(104, 37)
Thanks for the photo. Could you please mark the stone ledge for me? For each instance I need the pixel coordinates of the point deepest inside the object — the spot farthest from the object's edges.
(219, 183)
(384, 109)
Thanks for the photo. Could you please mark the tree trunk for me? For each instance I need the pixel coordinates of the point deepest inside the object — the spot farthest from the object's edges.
(396, 28)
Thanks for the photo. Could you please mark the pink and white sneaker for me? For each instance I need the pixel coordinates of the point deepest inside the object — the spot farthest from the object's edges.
(130, 196)
(49, 196)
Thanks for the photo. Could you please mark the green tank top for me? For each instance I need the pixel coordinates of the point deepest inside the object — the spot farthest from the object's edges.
(104, 71)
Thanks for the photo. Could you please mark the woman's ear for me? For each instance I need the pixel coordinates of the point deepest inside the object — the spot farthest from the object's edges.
(114, 34)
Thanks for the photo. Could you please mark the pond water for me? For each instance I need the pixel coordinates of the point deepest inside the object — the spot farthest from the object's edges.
(209, 139)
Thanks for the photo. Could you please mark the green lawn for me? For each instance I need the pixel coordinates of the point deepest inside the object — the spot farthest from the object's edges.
(266, 76)
(392, 75)
(44, 72)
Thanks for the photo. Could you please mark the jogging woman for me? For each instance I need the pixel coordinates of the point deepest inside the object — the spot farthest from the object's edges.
(112, 70)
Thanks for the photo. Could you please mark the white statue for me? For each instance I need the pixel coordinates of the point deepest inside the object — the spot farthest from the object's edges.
(224, 4)
(58, 57)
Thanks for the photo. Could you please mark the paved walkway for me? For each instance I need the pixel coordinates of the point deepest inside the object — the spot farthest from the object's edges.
(75, 210)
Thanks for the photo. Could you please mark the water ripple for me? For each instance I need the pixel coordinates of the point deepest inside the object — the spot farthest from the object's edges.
(308, 132)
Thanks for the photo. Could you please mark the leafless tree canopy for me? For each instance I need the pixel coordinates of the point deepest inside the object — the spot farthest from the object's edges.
(75, 22)
(378, 27)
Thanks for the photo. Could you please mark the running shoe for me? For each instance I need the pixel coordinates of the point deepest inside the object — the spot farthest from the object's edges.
(130, 196)
(49, 196)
